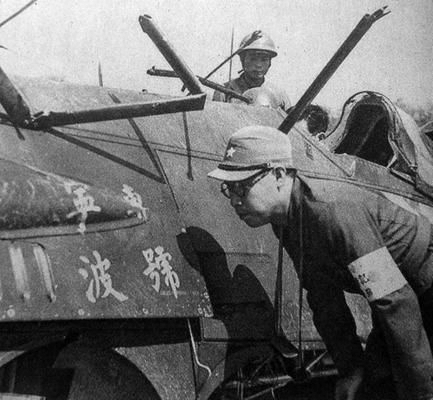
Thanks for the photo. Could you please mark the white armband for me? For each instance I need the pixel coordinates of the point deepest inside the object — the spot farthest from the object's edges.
(377, 274)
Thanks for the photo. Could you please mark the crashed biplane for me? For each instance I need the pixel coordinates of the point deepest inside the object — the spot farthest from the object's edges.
(124, 275)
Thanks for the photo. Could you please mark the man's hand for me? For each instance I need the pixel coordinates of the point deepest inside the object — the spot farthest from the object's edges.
(347, 387)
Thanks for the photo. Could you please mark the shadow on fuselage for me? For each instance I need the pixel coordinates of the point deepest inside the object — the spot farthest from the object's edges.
(243, 311)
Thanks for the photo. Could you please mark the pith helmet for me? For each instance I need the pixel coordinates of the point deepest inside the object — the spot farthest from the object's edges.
(262, 43)
(252, 149)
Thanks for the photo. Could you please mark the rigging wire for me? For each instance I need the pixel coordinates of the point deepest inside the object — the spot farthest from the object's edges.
(10, 18)
(231, 52)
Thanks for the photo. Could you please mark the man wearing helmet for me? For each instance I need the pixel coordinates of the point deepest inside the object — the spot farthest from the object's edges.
(343, 238)
(256, 59)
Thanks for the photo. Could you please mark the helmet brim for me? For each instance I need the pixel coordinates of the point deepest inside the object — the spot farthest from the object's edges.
(270, 53)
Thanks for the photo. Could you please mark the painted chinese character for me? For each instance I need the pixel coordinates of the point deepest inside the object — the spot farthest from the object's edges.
(84, 203)
(135, 200)
(159, 264)
(152, 270)
(100, 280)
(69, 185)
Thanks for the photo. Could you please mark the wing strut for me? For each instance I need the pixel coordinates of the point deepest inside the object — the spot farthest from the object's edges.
(352, 40)
(20, 113)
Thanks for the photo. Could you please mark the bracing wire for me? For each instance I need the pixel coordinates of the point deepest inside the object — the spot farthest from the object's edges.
(10, 18)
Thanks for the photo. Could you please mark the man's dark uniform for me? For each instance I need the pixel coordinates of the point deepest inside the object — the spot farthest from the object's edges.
(358, 241)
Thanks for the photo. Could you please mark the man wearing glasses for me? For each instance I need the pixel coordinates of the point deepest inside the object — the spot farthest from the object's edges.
(343, 238)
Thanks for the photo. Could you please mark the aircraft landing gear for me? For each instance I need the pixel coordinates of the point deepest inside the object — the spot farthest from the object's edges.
(274, 379)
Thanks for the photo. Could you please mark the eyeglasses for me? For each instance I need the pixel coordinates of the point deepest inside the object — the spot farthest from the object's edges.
(241, 188)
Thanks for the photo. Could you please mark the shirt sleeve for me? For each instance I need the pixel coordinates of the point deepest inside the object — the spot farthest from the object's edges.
(400, 320)
(391, 298)
(286, 103)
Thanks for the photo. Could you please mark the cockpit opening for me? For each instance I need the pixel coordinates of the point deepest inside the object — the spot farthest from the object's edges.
(366, 134)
